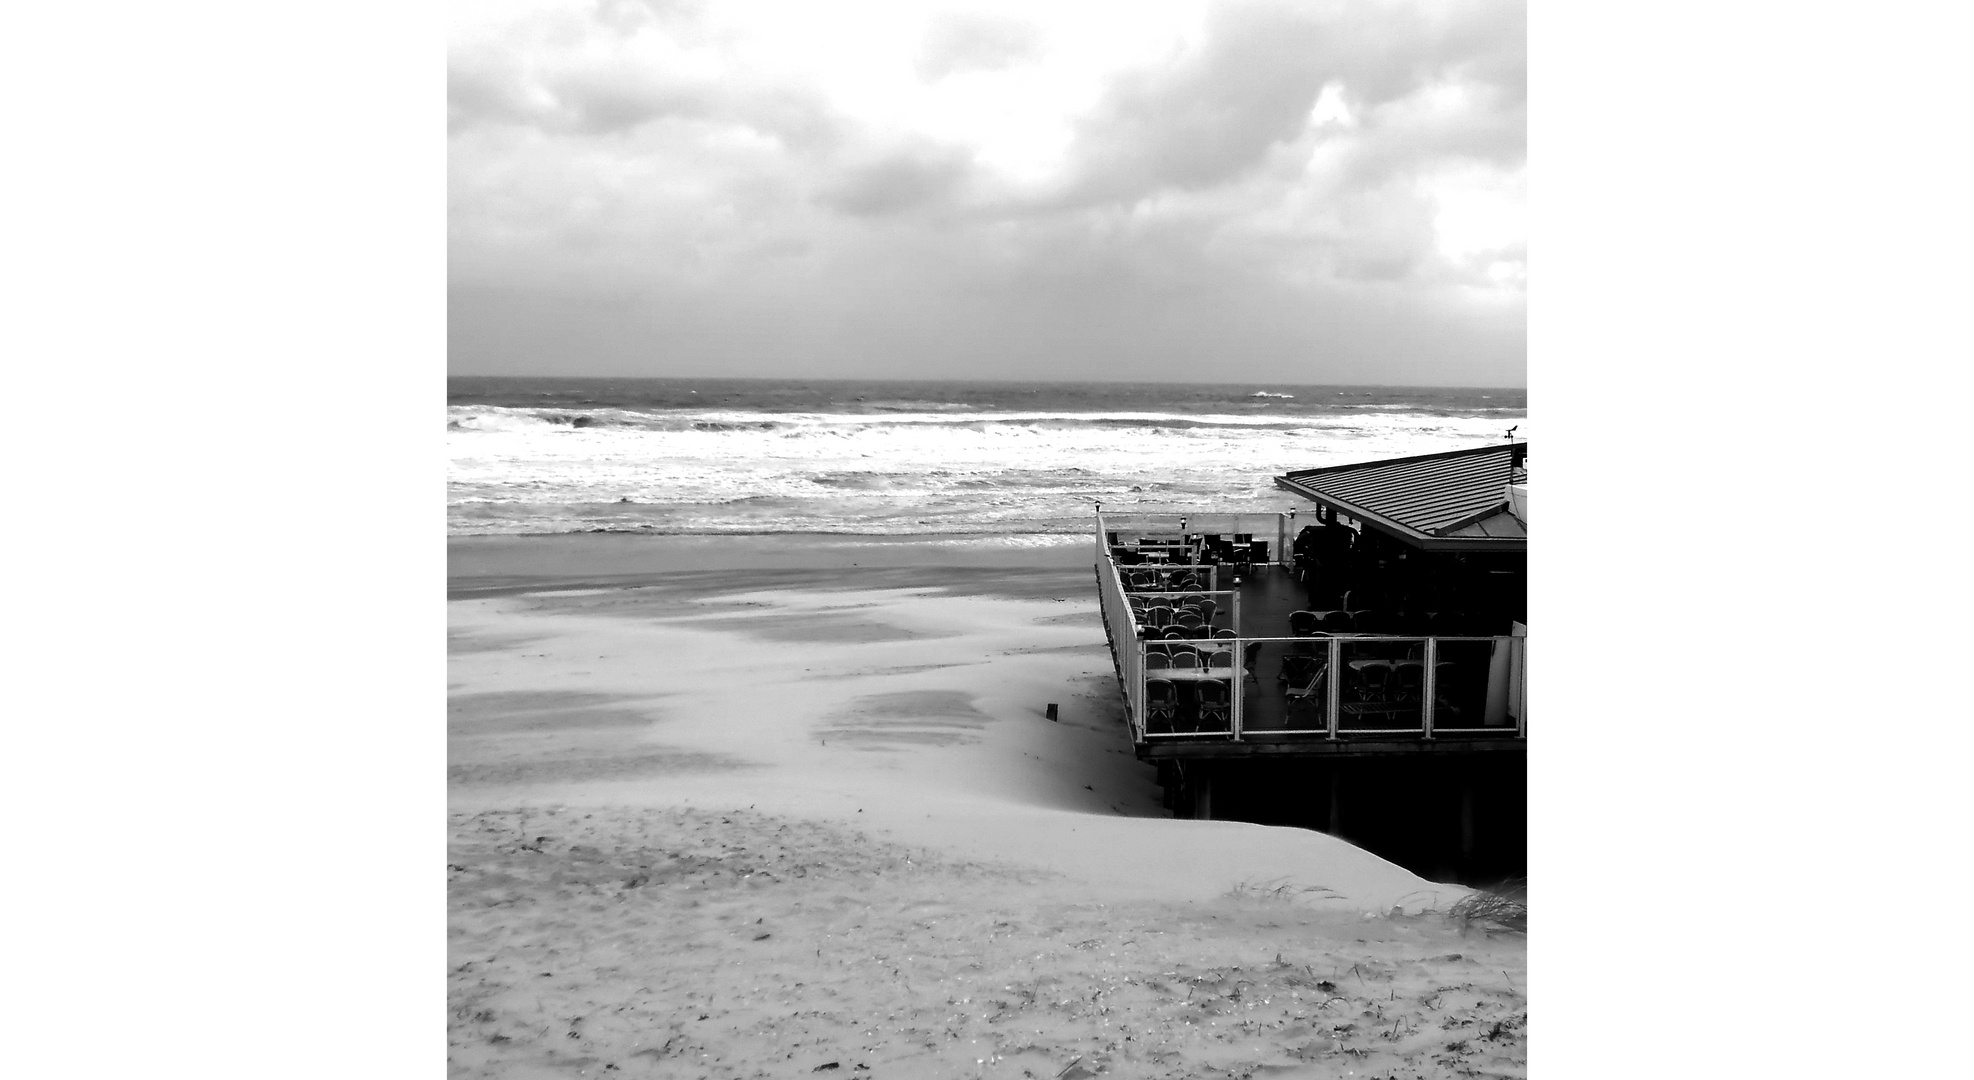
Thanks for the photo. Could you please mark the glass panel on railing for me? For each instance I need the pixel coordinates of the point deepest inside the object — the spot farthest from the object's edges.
(1233, 540)
(1161, 702)
(1183, 615)
(1463, 678)
(1190, 686)
(1213, 666)
(1283, 688)
(1381, 686)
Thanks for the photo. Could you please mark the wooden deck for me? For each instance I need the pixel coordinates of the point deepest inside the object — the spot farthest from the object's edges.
(1274, 726)
(1379, 735)
(1267, 597)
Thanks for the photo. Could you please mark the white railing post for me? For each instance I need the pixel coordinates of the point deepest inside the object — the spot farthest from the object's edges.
(1138, 684)
(1428, 687)
(1333, 696)
(1237, 683)
(1521, 714)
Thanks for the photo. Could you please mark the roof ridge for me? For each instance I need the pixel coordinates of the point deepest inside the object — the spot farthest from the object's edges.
(1435, 456)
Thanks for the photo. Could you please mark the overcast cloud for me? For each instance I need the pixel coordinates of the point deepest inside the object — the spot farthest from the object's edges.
(1296, 192)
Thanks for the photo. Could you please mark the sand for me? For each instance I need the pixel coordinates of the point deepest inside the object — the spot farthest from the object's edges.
(777, 807)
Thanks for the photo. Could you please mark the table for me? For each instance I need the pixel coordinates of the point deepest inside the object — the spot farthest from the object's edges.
(1191, 674)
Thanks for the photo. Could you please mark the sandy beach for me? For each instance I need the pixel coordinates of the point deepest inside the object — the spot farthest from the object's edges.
(768, 806)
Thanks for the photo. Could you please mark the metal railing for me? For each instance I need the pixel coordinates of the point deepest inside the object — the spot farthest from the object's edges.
(1122, 630)
(1347, 685)
(1339, 687)
(1165, 531)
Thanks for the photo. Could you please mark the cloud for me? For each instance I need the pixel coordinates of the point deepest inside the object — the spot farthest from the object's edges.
(1207, 119)
(1421, 92)
(899, 179)
(622, 64)
(956, 43)
(1294, 174)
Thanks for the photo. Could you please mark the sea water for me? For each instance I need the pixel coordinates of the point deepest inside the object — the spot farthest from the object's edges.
(1025, 461)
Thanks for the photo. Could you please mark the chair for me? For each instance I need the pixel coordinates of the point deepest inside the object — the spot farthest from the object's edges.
(1189, 619)
(1257, 553)
(1447, 714)
(1224, 633)
(1175, 633)
(1408, 680)
(1186, 661)
(1215, 705)
(1298, 668)
(1372, 679)
(1220, 658)
(1250, 658)
(1157, 661)
(1372, 621)
(1207, 608)
(1158, 615)
(1161, 703)
(1360, 598)
(1337, 622)
(1310, 690)
(1303, 623)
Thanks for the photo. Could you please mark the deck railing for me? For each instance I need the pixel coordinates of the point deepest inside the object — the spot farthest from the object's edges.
(1160, 532)
(1338, 687)
(1122, 631)
(1322, 687)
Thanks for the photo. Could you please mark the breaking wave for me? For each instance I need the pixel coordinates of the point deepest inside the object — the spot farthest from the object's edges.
(900, 464)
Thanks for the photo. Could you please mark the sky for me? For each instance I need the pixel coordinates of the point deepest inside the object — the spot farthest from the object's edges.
(1168, 191)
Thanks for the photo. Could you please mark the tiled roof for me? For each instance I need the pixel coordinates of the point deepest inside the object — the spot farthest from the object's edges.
(1437, 495)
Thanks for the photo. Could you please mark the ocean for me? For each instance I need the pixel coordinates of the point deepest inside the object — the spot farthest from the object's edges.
(1025, 462)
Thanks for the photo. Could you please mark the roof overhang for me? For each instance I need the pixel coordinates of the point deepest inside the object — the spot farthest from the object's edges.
(1488, 523)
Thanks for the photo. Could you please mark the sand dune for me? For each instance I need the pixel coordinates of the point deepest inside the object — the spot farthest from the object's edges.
(753, 823)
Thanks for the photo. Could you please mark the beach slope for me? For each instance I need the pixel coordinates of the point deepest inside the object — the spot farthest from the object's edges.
(772, 805)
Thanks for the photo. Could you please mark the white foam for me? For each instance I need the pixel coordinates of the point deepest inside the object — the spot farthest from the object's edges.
(722, 471)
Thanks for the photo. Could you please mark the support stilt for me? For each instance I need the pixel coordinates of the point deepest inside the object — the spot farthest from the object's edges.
(1335, 827)
(1467, 821)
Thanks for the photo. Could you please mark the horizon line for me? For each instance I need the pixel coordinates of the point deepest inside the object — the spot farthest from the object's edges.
(1008, 382)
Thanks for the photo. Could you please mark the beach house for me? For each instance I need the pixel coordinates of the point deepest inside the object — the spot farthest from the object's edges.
(1363, 658)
